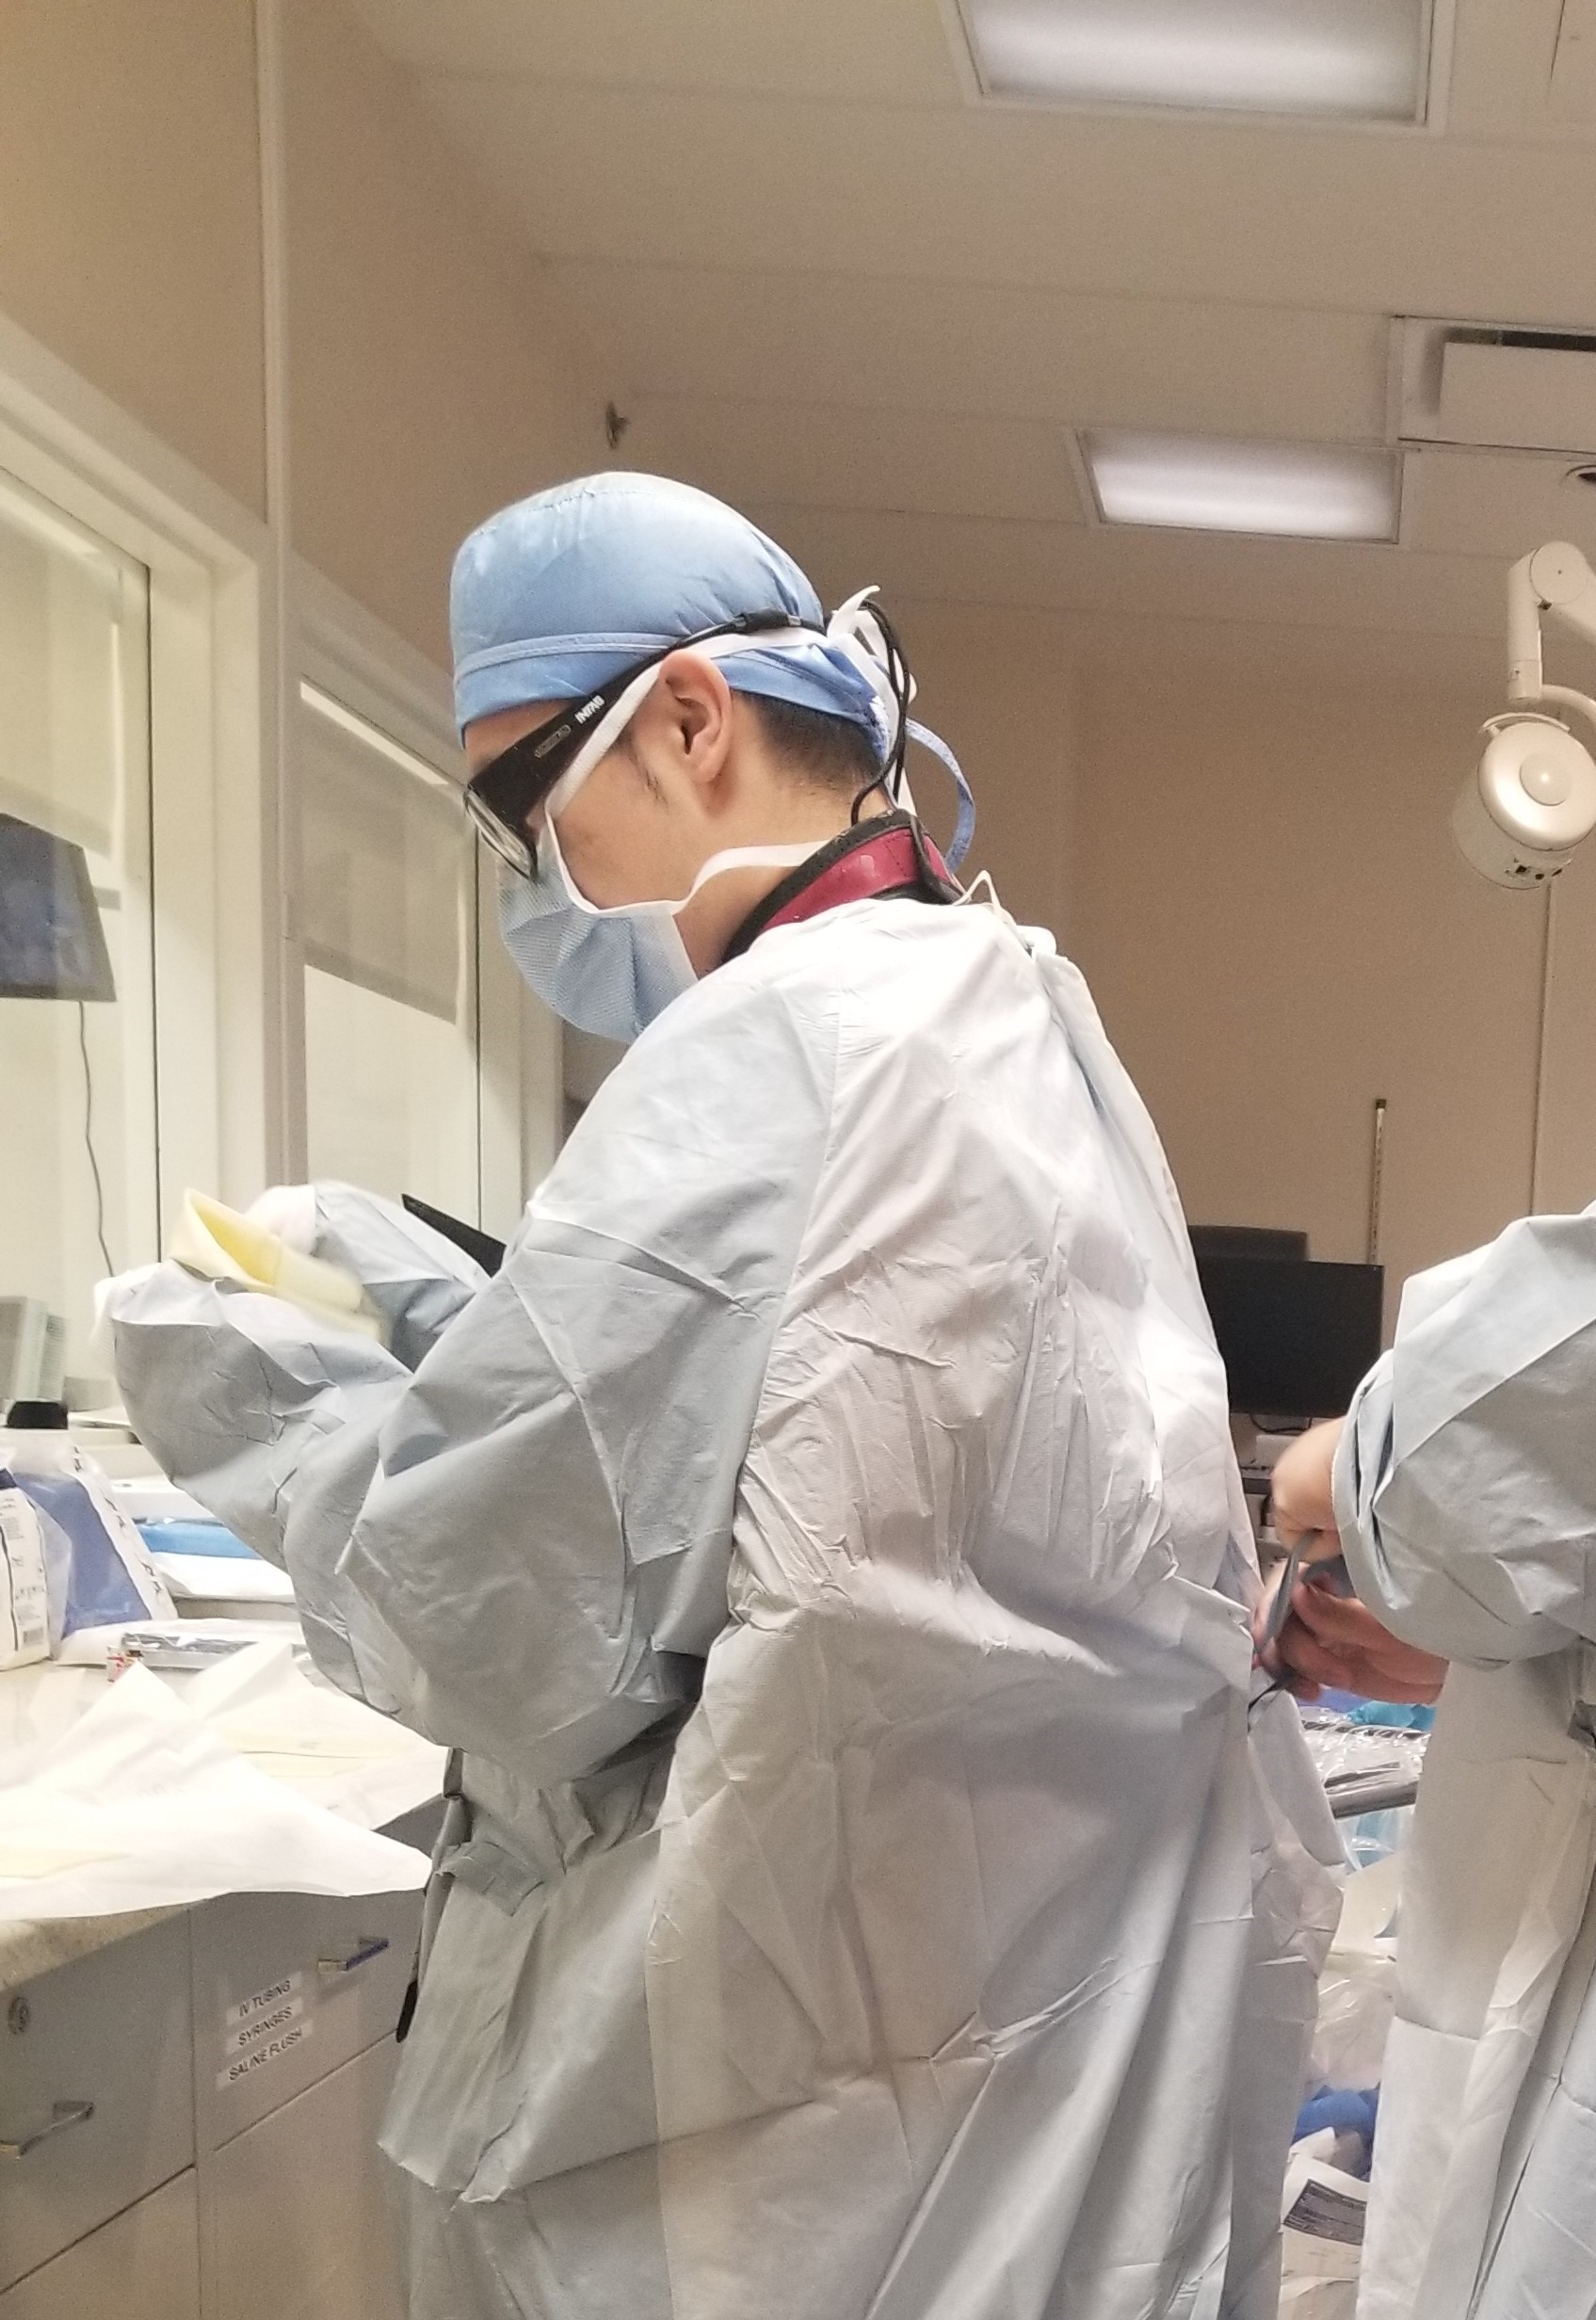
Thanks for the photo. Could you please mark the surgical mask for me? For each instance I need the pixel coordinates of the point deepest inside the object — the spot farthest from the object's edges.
(608, 971)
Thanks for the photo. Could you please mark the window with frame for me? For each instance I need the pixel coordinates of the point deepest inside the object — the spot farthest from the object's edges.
(78, 1163)
(388, 931)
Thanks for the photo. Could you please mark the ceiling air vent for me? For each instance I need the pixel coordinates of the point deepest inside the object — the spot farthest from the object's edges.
(1497, 388)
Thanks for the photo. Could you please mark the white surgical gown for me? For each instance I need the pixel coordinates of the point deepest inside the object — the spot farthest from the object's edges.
(1466, 1498)
(823, 1539)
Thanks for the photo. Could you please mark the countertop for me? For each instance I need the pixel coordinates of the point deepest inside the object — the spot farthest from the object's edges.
(38, 1704)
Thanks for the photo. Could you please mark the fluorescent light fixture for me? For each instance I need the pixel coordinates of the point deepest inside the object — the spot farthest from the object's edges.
(1343, 59)
(1202, 484)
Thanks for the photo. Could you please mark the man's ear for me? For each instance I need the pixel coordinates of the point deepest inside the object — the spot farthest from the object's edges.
(692, 703)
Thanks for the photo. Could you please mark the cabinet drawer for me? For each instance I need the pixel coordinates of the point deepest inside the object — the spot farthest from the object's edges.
(296, 2216)
(112, 2030)
(142, 2266)
(288, 1987)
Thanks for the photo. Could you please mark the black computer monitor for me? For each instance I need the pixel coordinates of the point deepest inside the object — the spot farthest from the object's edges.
(1296, 1338)
(52, 944)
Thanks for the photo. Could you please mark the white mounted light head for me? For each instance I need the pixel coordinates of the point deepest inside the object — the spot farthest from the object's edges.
(1532, 797)
(1529, 802)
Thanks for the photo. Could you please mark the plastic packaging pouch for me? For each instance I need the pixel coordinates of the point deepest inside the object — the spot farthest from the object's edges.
(25, 1586)
(220, 1244)
(1374, 1837)
(1358, 1985)
(110, 1574)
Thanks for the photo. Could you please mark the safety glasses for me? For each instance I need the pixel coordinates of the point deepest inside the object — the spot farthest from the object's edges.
(502, 798)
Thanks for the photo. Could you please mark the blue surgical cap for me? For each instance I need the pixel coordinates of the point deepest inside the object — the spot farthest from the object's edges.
(555, 596)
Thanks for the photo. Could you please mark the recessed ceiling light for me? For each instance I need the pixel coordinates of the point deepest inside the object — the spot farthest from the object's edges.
(1202, 484)
(1344, 60)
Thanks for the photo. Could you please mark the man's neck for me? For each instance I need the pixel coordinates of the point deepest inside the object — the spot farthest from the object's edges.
(719, 907)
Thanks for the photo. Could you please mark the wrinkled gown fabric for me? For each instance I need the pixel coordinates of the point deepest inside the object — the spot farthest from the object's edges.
(823, 1539)
(1466, 1498)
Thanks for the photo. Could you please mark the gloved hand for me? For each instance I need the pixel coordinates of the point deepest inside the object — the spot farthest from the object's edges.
(1329, 1638)
(414, 1278)
(1334, 1640)
(1300, 1492)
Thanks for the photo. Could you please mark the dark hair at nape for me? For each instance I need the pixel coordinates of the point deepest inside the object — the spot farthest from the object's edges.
(832, 752)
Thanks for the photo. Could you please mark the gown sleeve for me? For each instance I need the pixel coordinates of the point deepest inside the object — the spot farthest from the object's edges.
(1465, 1483)
(521, 1546)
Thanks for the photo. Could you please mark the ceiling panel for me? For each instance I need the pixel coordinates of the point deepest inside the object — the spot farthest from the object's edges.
(848, 49)
(1502, 53)
(1252, 654)
(893, 50)
(822, 282)
(1572, 93)
(925, 462)
(1384, 223)
(1149, 575)
(975, 348)
(1494, 503)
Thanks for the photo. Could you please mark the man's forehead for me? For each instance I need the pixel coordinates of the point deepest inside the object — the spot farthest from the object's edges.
(486, 737)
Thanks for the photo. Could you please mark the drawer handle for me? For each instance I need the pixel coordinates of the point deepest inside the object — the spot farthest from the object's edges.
(367, 1946)
(65, 2115)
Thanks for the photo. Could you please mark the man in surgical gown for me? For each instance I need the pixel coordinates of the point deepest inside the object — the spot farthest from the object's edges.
(821, 1538)
(1462, 1492)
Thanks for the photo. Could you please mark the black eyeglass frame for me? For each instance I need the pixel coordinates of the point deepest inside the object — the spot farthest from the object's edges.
(502, 796)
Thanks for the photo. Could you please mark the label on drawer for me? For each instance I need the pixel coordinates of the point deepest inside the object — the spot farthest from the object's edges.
(264, 2002)
(272, 2047)
(265, 2027)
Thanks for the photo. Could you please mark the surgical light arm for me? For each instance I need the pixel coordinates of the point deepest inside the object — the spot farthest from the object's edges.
(1556, 581)
(1532, 797)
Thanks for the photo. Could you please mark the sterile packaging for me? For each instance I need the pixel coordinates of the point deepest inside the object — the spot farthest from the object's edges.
(146, 1803)
(191, 1642)
(1373, 1837)
(24, 1588)
(109, 1573)
(227, 1584)
(1363, 1762)
(205, 1565)
(1322, 2243)
(151, 1498)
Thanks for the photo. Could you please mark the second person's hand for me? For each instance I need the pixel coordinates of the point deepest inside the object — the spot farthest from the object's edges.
(1335, 1640)
(1302, 1496)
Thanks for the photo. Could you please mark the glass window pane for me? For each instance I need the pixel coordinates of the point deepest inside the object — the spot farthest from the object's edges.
(77, 1129)
(388, 917)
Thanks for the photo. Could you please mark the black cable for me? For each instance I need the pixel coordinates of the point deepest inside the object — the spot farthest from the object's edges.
(1260, 1699)
(88, 1134)
(890, 779)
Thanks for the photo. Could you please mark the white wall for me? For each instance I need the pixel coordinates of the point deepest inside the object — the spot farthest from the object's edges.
(434, 371)
(1242, 835)
(1002, 689)
(1568, 1148)
(131, 242)
(1280, 931)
